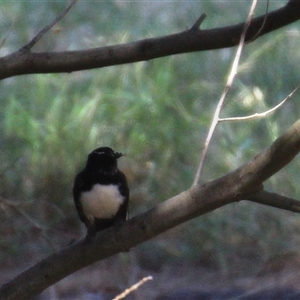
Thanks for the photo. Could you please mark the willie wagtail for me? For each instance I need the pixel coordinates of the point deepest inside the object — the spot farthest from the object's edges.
(100, 191)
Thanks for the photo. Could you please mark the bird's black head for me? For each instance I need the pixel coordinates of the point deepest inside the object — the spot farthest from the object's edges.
(103, 159)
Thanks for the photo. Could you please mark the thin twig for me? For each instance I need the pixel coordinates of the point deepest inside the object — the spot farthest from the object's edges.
(263, 114)
(18, 207)
(230, 79)
(199, 21)
(28, 46)
(262, 26)
(8, 33)
(133, 288)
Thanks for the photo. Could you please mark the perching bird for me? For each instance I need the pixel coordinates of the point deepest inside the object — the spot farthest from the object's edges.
(100, 191)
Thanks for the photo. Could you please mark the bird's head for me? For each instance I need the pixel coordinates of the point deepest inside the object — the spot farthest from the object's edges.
(103, 159)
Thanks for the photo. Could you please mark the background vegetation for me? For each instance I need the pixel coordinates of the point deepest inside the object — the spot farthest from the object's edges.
(158, 113)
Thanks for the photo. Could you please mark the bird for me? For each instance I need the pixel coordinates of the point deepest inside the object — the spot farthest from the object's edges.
(101, 192)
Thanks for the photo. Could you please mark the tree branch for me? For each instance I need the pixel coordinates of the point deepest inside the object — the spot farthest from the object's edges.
(242, 183)
(275, 200)
(28, 46)
(232, 73)
(132, 288)
(199, 21)
(183, 42)
(262, 114)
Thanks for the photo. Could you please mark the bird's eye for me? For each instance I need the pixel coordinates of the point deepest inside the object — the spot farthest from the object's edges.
(100, 153)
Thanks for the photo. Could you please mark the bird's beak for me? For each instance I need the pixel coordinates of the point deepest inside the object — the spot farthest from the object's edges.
(118, 154)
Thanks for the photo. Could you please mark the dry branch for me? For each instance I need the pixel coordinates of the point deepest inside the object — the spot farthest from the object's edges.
(133, 288)
(262, 114)
(275, 200)
(28, 46)
(232, 73)
(187, 41)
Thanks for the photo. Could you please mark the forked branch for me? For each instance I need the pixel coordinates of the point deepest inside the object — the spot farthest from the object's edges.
(233, 72)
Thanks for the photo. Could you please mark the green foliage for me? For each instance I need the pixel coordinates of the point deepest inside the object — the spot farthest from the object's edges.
(158, 113)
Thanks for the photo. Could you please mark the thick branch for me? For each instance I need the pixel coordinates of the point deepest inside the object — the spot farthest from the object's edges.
(251, 175)
(198, 200)
(191, 40)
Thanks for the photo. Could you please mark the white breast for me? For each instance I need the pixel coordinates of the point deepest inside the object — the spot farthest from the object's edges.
(102, 202)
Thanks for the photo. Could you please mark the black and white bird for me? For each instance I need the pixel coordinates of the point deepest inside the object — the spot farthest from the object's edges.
(100, 191)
